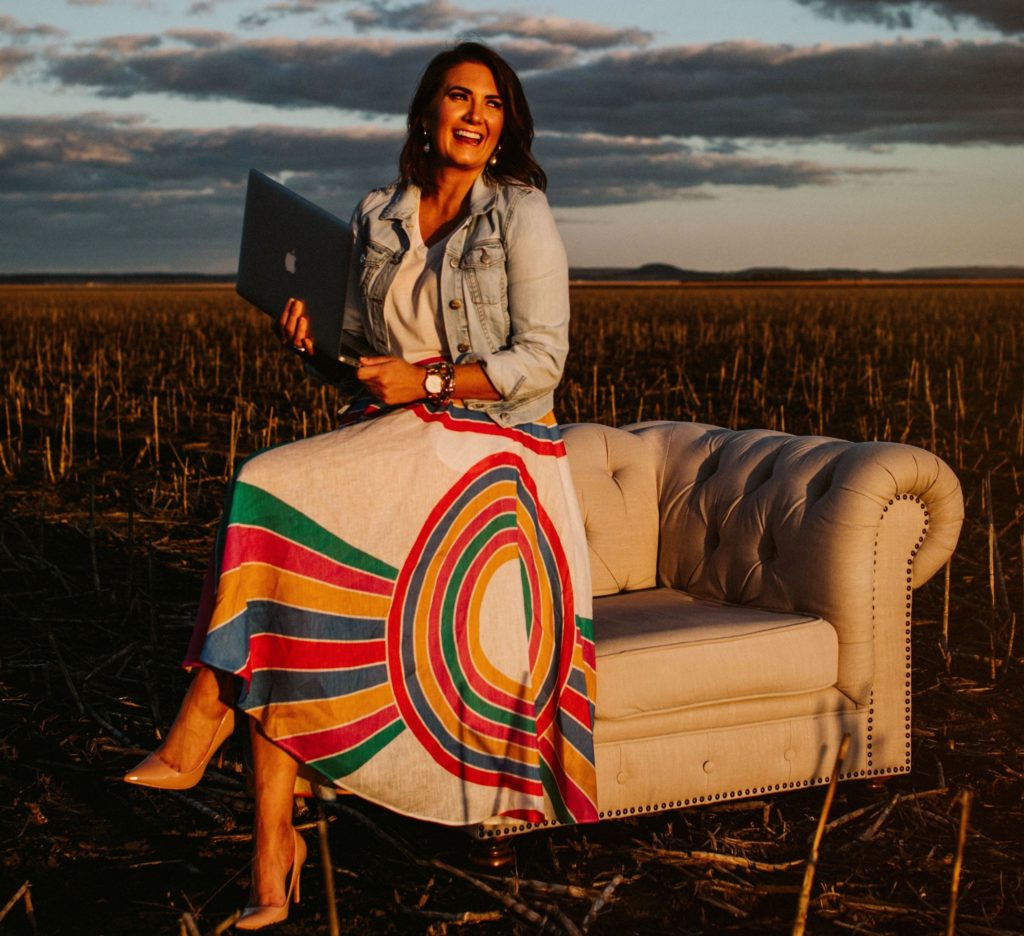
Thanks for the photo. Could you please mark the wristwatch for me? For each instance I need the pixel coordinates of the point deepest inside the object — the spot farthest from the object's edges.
(439, 382)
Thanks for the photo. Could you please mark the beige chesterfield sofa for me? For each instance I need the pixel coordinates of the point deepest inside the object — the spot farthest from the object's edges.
(752, 605)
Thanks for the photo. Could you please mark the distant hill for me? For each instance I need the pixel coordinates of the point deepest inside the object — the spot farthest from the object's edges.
(649, 272)
(663, 272)
(29, 279)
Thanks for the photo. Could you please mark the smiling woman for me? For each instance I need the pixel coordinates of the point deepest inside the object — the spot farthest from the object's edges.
(509, 158)
(403, 605)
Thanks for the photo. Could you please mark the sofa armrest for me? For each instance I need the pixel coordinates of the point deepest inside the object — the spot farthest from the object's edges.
(840, 529)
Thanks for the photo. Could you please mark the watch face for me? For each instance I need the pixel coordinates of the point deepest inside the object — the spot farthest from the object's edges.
(433, 383)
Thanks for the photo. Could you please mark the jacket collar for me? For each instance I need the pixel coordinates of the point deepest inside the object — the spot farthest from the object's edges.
(406, 200)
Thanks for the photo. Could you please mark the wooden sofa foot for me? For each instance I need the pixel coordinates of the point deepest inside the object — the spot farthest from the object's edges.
(878, 786)
(492, 852)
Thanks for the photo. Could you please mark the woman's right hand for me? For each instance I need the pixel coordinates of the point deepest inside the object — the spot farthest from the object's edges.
(292, 327)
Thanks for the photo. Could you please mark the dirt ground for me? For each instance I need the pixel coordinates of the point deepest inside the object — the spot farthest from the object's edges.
(122, 419)
(86, 672)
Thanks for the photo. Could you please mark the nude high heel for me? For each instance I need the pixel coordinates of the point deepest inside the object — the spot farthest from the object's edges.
(153, 772)
(256, 917)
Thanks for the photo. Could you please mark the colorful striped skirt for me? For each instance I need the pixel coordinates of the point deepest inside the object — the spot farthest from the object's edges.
(407, 602)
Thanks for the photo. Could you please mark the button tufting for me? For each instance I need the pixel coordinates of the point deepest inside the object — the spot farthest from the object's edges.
(789, 754)
(708, 766)
(621, 776)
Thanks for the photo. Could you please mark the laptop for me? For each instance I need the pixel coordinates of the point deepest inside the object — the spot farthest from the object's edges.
(293, 248)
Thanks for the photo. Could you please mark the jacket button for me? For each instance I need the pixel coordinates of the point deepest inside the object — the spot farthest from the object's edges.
(454, 262)
(455, 304)
(463, 347)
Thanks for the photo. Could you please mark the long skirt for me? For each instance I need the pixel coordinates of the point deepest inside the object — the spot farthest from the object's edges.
(407, 602)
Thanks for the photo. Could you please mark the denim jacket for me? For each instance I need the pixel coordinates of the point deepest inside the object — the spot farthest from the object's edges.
(504, 289)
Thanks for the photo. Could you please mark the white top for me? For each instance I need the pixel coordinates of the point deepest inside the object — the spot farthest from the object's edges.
(412, 308)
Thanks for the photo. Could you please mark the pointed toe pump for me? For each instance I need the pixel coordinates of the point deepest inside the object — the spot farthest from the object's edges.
(153, 772)
(256, 917)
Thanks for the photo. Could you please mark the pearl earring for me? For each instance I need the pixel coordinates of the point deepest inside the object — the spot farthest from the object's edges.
(493, 161)
(426, 141)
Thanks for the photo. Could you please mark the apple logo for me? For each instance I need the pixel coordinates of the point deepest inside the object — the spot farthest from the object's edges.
(289, 261)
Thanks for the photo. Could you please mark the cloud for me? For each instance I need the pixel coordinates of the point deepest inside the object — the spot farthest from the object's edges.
(360, 75)
(136, 4)
(11, 60)
(883, 93)
(127, 44)
(201, 38)
(202, 7)
(17, 30)
(578, 33)
(429, 14)
(103, 155)
(595, 169)
(442, 15)
(897, 92)
(439, 14)
(281, 8)
(1006, 16)
(160, 197)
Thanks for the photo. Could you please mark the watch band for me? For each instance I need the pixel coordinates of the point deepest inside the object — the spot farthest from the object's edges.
(440, 390)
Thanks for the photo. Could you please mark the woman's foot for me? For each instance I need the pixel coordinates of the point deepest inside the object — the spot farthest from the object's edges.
(202, 725)
(276, 870)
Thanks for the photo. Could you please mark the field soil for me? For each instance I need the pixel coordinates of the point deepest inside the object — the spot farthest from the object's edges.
(125, 411)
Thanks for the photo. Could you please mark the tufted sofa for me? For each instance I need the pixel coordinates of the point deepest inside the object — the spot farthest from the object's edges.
(752, 604)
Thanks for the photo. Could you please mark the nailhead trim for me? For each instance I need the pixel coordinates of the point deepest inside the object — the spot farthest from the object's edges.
(642, 808)
(906, 635)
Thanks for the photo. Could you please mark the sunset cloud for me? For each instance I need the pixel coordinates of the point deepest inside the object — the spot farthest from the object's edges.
(264, 15)
(11, 59)
(125, 154)
(365, 75)
(927, 91)
(900, 92)
(1006, 16)
(16, 30)
(59, 174)
(442, 15)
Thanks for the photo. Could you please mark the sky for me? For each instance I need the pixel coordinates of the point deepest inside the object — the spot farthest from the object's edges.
(709, 134)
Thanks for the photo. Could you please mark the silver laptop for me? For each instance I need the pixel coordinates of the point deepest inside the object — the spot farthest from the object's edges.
(293, 248)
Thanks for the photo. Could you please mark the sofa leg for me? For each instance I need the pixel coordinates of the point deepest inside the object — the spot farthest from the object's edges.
(492, 852)
(879, 786)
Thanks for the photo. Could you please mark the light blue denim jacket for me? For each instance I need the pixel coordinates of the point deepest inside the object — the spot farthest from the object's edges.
(504, 289)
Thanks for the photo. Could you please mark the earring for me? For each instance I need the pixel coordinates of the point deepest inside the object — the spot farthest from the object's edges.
(493, 161)
(426, 141)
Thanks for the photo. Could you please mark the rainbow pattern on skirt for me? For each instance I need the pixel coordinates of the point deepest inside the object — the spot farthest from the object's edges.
(465, 670)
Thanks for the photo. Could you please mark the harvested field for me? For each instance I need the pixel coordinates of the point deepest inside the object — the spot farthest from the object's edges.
(125, 410)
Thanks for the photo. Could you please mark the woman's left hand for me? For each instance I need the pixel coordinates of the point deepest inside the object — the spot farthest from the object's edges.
(392, 380)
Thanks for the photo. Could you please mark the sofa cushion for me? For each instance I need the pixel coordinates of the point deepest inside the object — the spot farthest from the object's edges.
(663, 649)
(615, 476)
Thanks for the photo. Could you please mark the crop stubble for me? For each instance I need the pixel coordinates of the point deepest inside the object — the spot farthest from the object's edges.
(125, 410)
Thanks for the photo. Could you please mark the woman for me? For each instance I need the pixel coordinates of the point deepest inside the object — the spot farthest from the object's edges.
(407, 599)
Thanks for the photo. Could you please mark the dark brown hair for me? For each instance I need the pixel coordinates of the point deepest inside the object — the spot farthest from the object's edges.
(515, 160)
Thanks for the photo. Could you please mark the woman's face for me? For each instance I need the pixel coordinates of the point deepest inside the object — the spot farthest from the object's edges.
(467, 119)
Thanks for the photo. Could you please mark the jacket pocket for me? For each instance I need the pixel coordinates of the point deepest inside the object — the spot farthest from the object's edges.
(484, 278)
(372, 258)
(376, 272)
